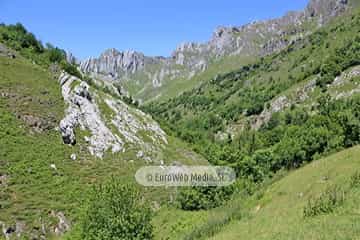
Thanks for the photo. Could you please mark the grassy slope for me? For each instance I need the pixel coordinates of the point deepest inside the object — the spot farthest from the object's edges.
(33, 187)
(281, 216)
(276, 212)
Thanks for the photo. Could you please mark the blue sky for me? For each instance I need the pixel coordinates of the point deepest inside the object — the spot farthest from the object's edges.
(154, 27)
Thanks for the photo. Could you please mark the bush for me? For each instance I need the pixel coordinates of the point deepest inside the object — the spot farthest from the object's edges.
(116, 211)
(355, 180)
(197, 198)
(18, 38)
(325, 203)
(56, 55)
(71, 69)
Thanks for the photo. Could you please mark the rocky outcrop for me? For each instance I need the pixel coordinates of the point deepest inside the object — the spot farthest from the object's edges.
(277, 105)
(70, 58)
(83, 112)
(3, 180)
(5, 52)
(110, 122)
(301, 94)
(280, 103)
(336, 87)
(62, 226)
(12, 231)
(325, 9)
(58, 225)
(114, 63)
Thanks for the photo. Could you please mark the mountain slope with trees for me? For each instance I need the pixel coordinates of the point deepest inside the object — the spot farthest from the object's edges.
(278, 119)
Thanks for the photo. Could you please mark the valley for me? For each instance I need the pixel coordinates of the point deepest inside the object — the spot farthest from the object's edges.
(276, 100)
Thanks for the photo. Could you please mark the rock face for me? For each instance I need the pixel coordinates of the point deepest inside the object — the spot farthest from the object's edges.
(336, 87)
(70, 58)
(188, 59)
(4, 51)
(63, 224)
(110, 122)
(277, 105)
(325, 9)
(12, 232)
(113, 63)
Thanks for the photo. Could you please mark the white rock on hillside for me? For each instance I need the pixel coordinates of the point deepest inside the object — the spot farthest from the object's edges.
(128, 125)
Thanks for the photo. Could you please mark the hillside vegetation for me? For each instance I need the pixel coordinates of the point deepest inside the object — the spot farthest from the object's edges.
(39, 181)
(265, 120)
(328, 187)
(278, 120)
(299, 128)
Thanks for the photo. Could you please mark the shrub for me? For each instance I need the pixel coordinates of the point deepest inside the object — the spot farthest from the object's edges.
(355, 180)
(55, 55)
(116, 211)
(325, 203)
(197, 198)
(71, 69)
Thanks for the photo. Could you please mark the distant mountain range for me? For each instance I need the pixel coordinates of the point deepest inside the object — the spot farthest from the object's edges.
(147, 78)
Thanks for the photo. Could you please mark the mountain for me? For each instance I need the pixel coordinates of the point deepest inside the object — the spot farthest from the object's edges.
(147, 78)
(282, 112)
(221, 107)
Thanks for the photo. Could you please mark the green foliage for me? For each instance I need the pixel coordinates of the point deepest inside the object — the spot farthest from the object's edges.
(116, 211)
(56, 55)
(19, 39)
(71, 69)
(330, 199)
(325, 203)
(213, 226)
(196, 198)
(292, 137)
(355, 180)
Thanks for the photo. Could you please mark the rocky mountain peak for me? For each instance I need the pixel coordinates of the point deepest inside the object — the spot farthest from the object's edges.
(325, 9)
(257, 38)
(112, 62)
(110, 52)
(188, 46)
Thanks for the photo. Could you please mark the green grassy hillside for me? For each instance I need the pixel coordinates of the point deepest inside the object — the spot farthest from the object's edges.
(31, 107)
(277, 210)
(279, 213)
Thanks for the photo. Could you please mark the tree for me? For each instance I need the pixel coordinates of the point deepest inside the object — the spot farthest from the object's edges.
(116, 211)
(197, 198)
(56, 55)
